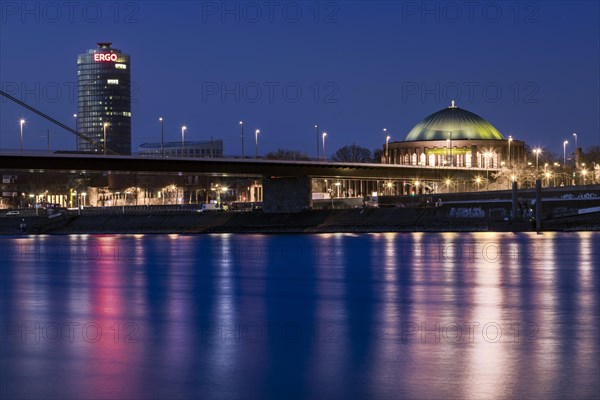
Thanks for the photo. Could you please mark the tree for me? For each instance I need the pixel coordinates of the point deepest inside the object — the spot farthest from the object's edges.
(592, 155)
(353, 153)
(287, 154)
(522, 173)
(377, 155)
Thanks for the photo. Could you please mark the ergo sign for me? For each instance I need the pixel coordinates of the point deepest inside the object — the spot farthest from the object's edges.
(105, 57)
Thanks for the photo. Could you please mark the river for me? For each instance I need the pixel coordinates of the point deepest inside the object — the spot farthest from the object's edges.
(328, 316)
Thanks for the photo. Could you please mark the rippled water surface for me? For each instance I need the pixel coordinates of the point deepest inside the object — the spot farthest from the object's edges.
(339, 316)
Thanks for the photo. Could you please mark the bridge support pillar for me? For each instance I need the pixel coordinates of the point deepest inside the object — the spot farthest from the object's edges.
(286, 194)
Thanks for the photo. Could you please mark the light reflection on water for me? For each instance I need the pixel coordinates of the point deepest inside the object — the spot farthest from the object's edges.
(470, 315)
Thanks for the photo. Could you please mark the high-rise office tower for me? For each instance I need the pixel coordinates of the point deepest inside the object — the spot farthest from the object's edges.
(104, 100)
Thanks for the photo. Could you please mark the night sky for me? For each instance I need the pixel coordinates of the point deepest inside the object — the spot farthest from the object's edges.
(530, 68)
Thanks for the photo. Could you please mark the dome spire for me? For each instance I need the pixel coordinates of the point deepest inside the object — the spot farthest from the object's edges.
(452, 105)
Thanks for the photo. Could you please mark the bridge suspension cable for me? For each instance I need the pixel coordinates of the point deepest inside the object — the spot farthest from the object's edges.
(54, 121)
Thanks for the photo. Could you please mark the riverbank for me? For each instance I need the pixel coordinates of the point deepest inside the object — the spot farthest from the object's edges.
(442, 219)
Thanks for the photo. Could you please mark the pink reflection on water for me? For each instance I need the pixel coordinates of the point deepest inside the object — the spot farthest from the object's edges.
(108, 349)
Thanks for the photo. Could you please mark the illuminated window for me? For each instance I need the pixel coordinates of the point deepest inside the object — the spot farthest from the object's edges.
(120, 66)
(113, 81)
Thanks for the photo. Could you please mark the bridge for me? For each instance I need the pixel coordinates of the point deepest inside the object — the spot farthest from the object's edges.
(286, 183)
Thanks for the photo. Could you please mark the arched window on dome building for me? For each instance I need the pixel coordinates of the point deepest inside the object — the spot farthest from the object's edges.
(440, 160)
(432, 160)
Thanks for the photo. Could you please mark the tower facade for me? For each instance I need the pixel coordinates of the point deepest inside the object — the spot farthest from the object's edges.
(104, 100)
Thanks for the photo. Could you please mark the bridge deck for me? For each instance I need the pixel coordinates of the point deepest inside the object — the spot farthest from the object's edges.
(227, 166)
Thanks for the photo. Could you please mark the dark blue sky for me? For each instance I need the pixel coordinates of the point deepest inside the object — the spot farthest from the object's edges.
(530, 68)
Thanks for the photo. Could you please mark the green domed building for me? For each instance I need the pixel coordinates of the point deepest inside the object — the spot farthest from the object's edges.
(454, 137)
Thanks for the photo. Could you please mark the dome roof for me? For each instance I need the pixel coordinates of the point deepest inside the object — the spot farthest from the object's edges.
(462, 123)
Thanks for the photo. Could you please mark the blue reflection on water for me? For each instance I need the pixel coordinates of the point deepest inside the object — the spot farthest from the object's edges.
(303, 316)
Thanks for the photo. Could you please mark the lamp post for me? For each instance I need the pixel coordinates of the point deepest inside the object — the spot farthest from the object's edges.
(183, 128)
(576, 159)
(162, 137)
(389, 186)
(584, 174)
(510, 139)
(76, 128)
(324, 136)
(317, 130)
(537, 151)
(450, 146)
(256, 140)
(21, 123)
(565, 143)
(487, 154)
(242, 128)
(387, 150)
(104, 125)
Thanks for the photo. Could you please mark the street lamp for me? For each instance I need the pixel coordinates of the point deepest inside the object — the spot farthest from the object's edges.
(256, 140)
(387, 151)
(487, 154)
(450, 146)
(162, 137)
(510, 139)
(389, 186)
(576, 164)
(324, 136)
(478, 181)
(242, 127)
(104, 125)
(76, 127)
(21, 123)
(584, 174)
(337, 184)
(537, 151)
(565, 143)
(183, 128)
